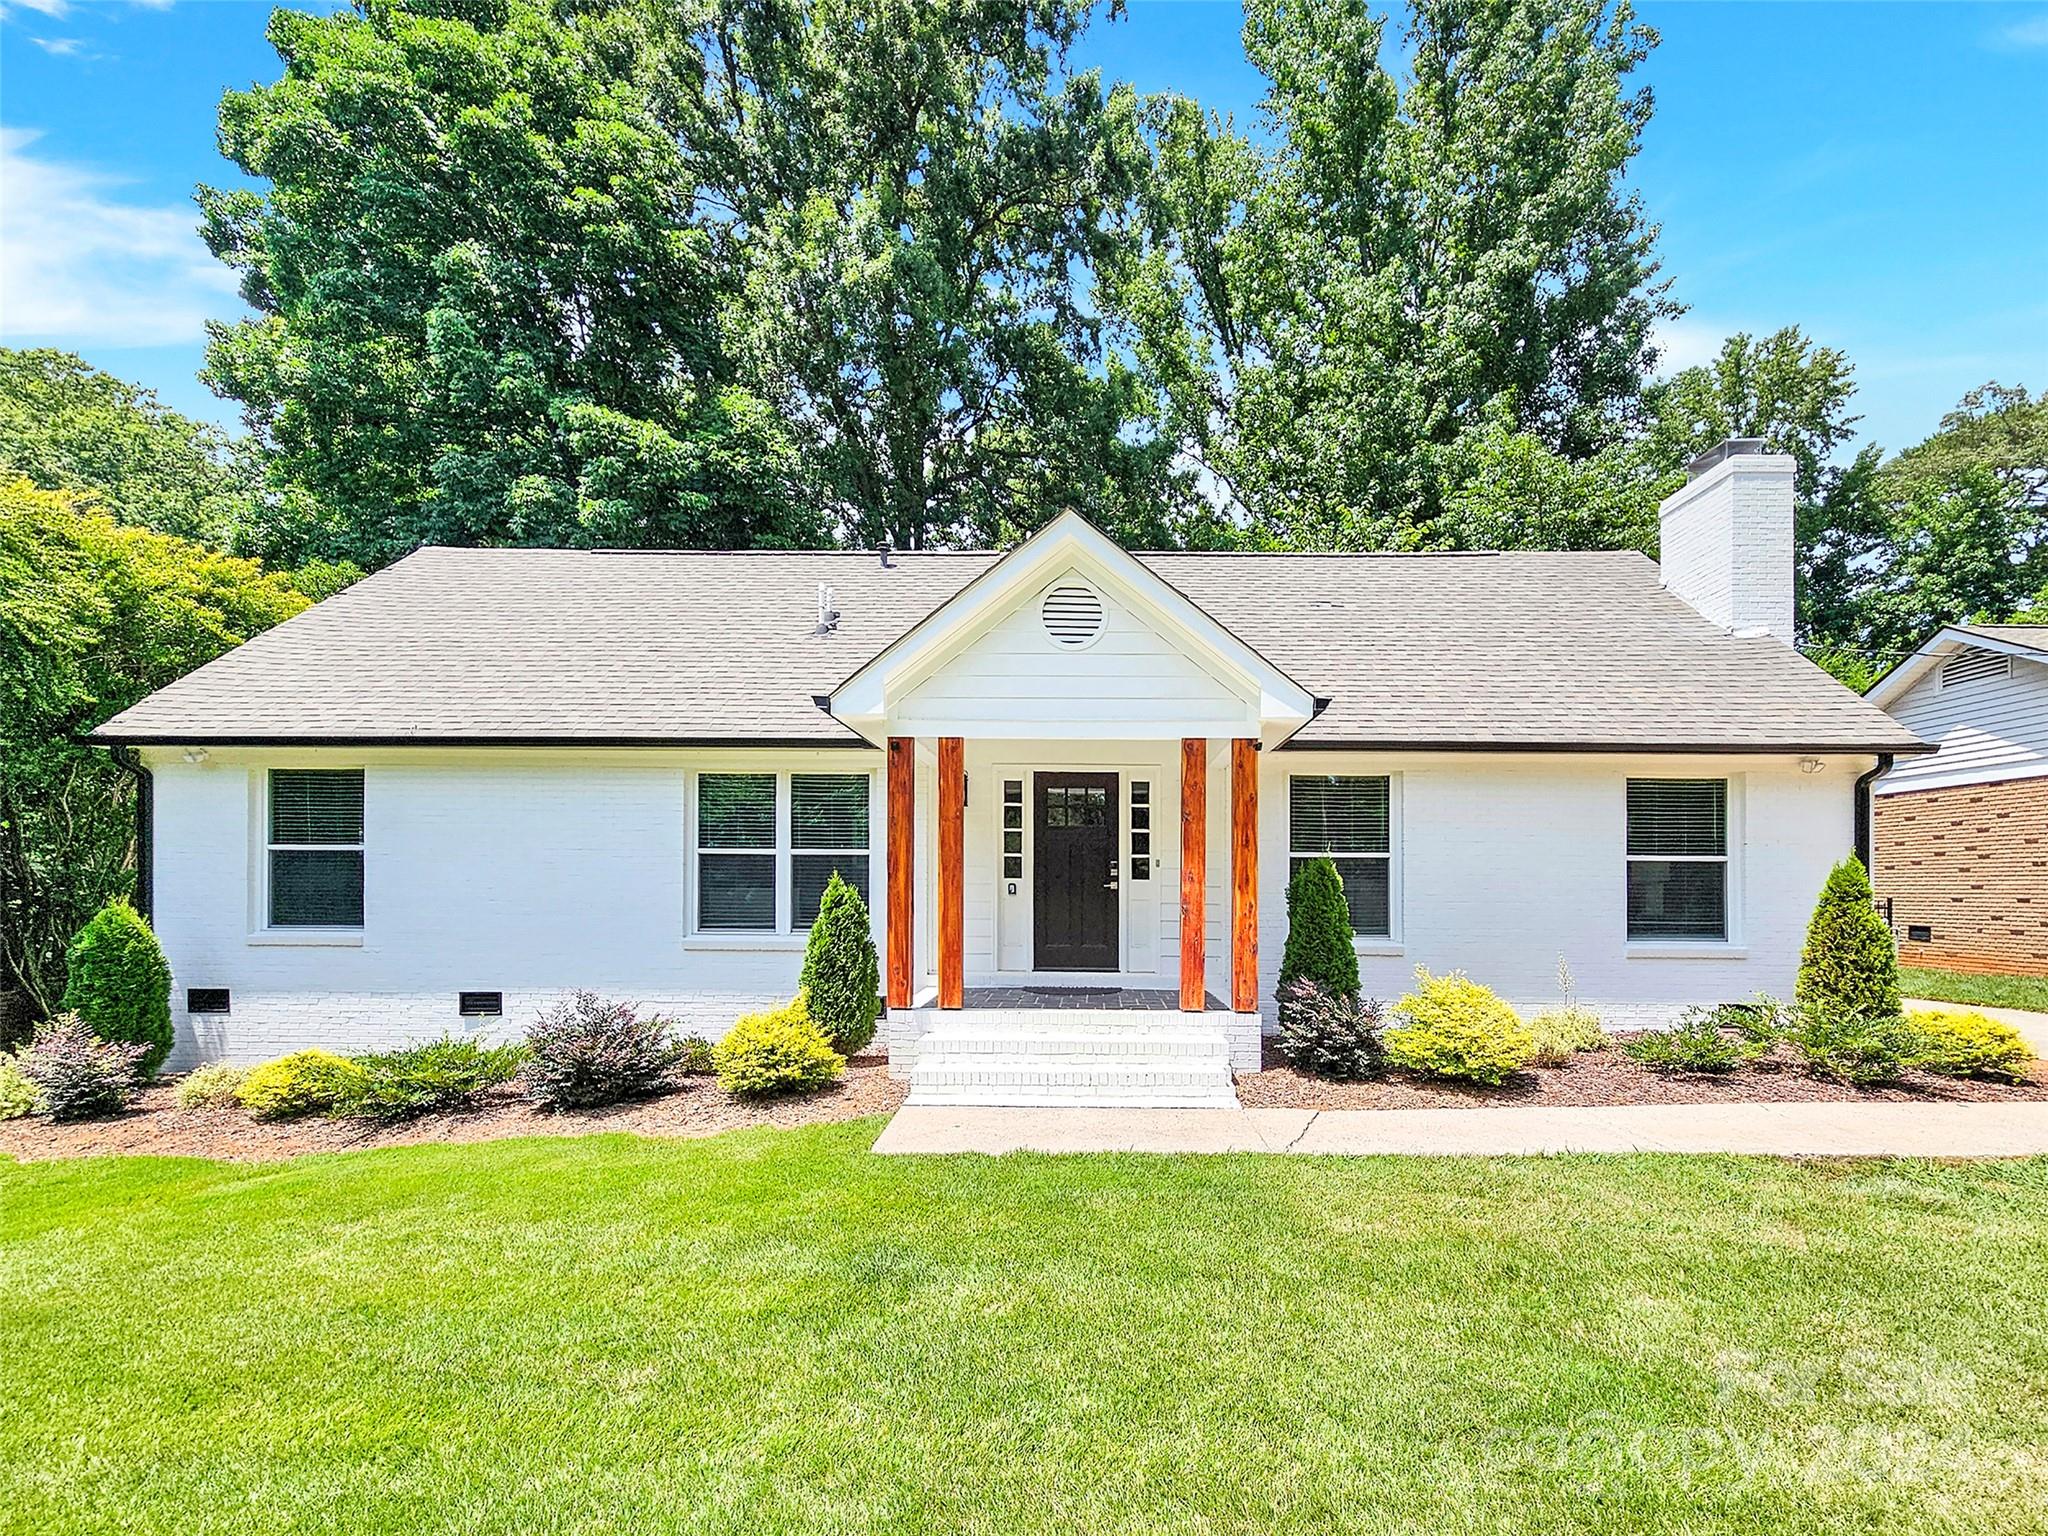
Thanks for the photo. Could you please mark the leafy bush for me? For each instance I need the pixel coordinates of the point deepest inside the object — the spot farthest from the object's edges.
(1864, 1050)
(1561, 1033)
(303, 1083)
(1763, 1021)
(1696, 1043)
(777, 1052)
(442, 1074)
(1457, 1028)
(1318, 945)
(1849, 969)
(586, 1051)
(1331, 1034)
(693, 1056)
(18, 1096)
(119, 982)
(1968, 1045)
(842, 976)
(76, 1074)
(213, 1087)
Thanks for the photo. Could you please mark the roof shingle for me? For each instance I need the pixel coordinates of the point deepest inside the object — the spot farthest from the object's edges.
(1520, 650)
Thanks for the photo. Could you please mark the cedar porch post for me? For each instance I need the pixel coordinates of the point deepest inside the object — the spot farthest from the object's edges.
(901, 925)
(1194, 869)
(952, 884)
(1244, 875)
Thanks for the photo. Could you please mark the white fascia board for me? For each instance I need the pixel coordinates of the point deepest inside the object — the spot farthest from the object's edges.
(1896, 682)
(1068, 541)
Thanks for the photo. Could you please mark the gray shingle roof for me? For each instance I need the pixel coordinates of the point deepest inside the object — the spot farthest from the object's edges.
(1515, 650)
(2033, 636)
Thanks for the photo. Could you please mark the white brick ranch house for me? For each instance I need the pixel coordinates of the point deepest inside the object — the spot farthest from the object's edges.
(1071, 779)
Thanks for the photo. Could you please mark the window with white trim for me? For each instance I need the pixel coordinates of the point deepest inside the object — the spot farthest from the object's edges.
(1677, 859)
(758, 834)
(1349, 819)
(314, 850)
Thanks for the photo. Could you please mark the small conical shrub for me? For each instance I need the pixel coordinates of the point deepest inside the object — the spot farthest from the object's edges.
(1850, 968)
(1318, 935)
(120, 983)
(842, 977)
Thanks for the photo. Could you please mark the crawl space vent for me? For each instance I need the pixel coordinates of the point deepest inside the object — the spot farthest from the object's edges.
(1973, 667)
(1072, 616)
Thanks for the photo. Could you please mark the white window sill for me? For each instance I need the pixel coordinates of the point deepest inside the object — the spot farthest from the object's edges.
(308, 938)
(1703, 949)
(1378, 947)
(772, 943)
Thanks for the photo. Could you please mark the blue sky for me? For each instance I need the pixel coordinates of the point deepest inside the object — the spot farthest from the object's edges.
(1876, 173)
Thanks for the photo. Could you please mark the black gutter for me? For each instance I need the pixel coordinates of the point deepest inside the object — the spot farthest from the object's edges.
(1862, 793)
(1618, 748)
(130, 761)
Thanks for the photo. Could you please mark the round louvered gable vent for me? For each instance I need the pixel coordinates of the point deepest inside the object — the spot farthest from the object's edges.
(1072, 616)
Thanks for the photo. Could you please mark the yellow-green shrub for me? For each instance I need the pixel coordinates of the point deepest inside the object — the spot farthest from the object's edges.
(1970, 1045)
(1457, 1028)
(777, 1052)
(18, 1096)
(303, 1083)
(1561, 1033)
(213, 1087)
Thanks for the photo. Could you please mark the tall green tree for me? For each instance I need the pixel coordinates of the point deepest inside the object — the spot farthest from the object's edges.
(1326, 314)
(67, 426)
(917, 190)
(489, 308)
(94, 614)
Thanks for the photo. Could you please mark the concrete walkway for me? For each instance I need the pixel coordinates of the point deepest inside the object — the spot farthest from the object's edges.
(1826, 1130)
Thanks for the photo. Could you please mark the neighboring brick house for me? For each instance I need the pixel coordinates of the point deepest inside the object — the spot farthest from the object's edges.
(1962, 836)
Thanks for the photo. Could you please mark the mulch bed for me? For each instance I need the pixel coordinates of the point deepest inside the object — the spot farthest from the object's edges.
(156, 1127)
(1609, 1077)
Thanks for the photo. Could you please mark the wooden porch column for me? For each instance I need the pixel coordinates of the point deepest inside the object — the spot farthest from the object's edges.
(900, 927)
(1244, 875)
(1194, 869)
(952, 883)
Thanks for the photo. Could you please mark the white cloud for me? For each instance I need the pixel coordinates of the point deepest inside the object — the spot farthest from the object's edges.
(1686, 343)
(56, 9)
(79, 268)
(63, 47)
(2031, 33)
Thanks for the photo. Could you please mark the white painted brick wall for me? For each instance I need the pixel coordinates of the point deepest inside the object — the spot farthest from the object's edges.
(535, 874)
(1726, 543)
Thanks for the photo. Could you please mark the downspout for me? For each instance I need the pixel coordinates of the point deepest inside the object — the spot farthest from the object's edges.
(1862, 792)
(130, 761)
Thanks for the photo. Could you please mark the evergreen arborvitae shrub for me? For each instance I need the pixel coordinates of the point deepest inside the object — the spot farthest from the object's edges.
(1318, 935)
(1850, 968)
(842, 977)
(120, 983)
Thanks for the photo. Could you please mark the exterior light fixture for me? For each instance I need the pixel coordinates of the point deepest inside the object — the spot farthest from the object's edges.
(195, 755)
(1811, 765)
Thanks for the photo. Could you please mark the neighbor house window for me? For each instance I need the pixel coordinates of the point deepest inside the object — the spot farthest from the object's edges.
(1678, 858)
(316, 848)
(1350, 819)
(758, 831)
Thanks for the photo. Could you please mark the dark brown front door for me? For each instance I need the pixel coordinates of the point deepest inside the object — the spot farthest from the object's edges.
(1074, 879)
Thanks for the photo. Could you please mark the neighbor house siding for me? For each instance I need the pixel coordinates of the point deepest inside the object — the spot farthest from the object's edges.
(1988, 729)
(1970, 865)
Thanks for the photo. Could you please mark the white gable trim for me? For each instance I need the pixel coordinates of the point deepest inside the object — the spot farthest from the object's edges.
(1887, 690)
(1069, 544)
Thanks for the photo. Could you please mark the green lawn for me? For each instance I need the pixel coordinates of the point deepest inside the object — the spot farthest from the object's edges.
(1984, 991)
(774, 1331)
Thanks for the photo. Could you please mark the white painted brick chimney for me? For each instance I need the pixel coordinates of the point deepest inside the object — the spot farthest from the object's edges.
(1725, 537)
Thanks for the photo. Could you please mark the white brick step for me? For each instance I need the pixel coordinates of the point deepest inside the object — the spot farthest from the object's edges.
(1048, 1074)
(1077, 1044)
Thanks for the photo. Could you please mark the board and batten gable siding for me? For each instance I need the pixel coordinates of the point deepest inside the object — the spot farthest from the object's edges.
(1016, 681)
(533, 874)
(1988, 729)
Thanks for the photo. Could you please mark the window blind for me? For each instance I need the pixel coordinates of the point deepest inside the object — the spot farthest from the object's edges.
(1677, 818)
(826, 811)
(316, 805)
(1677, 858)
(316, 848)
(1338, 815)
